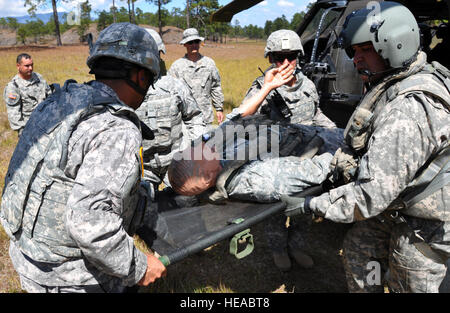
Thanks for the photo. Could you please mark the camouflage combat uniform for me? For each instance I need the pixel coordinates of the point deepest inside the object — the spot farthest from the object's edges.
(22, 96)
(408, 127)
(203, 79)
(165, 108)
(70, 203)
(303, 101)
(267, 178)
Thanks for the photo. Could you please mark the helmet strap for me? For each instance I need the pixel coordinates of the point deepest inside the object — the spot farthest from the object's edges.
(120, 74)
(136, 87)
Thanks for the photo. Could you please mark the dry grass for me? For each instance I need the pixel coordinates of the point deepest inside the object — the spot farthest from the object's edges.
(237, 65)
(212, 270)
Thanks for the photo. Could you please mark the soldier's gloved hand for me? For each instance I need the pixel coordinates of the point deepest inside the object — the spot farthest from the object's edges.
(295, 205)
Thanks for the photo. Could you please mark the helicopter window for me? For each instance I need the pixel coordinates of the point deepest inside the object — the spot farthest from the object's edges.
(328, 22)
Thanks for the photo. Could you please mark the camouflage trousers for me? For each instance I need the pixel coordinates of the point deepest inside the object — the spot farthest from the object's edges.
(279, 237)
(32, 287)
(378, 252)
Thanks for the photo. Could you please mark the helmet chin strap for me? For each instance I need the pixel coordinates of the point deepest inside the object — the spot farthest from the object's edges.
(136, 87)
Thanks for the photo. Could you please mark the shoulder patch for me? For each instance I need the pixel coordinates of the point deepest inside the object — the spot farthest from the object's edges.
(12, 96)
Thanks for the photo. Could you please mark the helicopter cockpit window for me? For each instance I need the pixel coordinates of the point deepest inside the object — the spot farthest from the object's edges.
(328, 23)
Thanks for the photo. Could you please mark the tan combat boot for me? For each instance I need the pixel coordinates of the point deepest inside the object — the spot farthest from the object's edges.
(301, 258)
(282, 260)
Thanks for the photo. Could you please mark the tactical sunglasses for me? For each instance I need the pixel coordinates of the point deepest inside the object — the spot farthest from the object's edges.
(197, 41)
(280, 57)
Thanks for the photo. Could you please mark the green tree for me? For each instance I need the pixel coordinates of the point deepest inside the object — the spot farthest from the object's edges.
(268, 26)
(35, 4)
(85, 19)
(296, 20)
(104, 20)
(161, 15)
(22, 34)
(12, 22)
(200, 13)
(280, 23)
(34, 29)
(176, 18)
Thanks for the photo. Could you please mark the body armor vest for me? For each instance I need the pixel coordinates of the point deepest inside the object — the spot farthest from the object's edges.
(360, 126)
(36, 187)
(163, 116)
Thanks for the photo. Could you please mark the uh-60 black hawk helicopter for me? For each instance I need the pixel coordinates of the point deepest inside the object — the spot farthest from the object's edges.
(337, 81)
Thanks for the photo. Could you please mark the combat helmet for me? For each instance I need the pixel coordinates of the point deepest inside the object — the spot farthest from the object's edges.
(158, 39)
(389, 26)
(127, 42)
(283, 40)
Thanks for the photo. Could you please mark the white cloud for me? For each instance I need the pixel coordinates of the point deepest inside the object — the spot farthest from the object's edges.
(264, 3)
(284, 3)
(12, 8)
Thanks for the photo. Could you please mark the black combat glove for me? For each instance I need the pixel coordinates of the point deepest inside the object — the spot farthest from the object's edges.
(295, 205)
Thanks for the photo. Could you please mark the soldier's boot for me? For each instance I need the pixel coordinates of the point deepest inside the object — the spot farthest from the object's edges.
(301, 258)
(282, 260)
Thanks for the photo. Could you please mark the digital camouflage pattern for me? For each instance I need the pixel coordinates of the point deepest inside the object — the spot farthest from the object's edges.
(302, 99)
(401, 136)
(189, 35)
(408, 270)
(21, 98)
(265, 180)
(166, 107)
(75, 179)
(128, 42)
(203, 79)
(283, 40)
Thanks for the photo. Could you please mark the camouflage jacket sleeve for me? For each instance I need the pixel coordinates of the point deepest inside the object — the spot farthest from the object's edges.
(254, 88)
(173, 70)
(216, 89)
(13, 103)
(191, 114)
(99, 210)
(398, 147)
(48, 90)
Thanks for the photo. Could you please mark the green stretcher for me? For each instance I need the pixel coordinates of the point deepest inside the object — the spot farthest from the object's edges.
(189, 230)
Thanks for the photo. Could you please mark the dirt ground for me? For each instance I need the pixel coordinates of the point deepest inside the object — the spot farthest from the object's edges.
(216, 270)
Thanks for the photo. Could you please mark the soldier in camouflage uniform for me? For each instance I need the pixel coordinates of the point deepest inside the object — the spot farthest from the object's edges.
(168, 104)
(300, 96)
(73, 196)
(283, 48)
(401, 125)
(200, 73)
(234, 159)
(24, 92)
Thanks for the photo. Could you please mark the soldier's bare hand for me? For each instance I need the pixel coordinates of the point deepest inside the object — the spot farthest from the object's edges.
(279, 76)
(219, 115)
(155, 270)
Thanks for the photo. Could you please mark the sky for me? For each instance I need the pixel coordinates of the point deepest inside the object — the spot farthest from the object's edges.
(257, 15)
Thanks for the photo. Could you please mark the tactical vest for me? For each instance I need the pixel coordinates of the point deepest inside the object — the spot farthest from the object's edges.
(36, 187)
(359, 129)
(162, 114)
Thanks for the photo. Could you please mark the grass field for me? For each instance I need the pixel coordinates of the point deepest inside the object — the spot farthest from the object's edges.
(213, 270)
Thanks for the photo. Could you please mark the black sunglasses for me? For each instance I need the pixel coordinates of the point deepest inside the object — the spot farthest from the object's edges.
(193, 42)
(280, 57)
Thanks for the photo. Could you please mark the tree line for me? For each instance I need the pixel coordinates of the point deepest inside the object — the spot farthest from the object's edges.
(196, 14)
